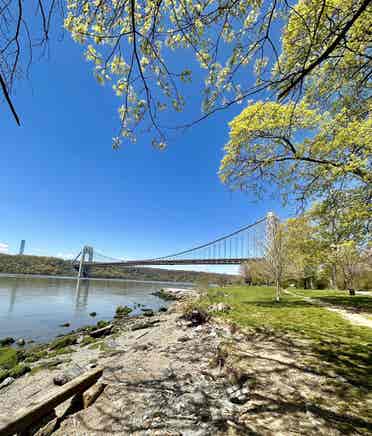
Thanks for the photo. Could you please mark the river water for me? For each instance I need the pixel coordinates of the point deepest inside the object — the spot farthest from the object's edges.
(35, 307)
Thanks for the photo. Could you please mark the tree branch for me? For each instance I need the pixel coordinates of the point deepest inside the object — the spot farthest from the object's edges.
(327, 52)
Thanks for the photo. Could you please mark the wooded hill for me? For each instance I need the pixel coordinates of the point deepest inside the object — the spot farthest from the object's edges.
(15, 264)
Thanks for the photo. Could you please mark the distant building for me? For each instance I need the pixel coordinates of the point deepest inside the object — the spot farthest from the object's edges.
(22, 247)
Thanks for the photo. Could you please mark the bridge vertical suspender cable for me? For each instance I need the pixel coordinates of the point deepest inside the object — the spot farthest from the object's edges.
(234, 248)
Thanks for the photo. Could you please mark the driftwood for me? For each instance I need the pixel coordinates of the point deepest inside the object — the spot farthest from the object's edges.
(90, 396)
(33, 414)
(101, 332)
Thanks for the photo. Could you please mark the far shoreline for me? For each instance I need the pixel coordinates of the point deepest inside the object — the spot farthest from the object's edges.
(42, 276)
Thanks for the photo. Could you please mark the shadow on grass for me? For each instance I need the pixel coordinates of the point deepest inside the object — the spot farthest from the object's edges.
(344, 422)
(355, 303)
(275, 305)
(351, 361)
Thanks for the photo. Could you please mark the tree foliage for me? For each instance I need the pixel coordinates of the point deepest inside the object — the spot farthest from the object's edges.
(321, 140)
(130, 44)
(302, 151)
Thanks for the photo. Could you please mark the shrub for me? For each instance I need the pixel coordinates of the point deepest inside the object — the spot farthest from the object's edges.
(63, 342)
(164, 295)
(8, 357)
(19, 370)
(102, 323)
(123, 310)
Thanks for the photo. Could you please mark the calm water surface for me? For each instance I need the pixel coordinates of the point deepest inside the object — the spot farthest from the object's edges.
(34, 308)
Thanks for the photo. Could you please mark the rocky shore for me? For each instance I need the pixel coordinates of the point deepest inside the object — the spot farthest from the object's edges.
(184, 373)
(157, 374)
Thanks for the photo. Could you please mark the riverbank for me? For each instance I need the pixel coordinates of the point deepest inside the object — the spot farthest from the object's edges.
(220, 365)
(93, 279)
(39, 309)
(56, 267)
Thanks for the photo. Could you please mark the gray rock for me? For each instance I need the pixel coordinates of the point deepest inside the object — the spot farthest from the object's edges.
(6, 341)
(197, 397)
(21, 342)
(144, 325)
(66, 376)
(61, 379)
(183, 338)
(140, 347)
(219, 307)
(237, 394)
(52, 363)
(6, 382)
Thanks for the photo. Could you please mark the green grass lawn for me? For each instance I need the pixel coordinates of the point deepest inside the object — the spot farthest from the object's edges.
(360, 302)
(336, 344)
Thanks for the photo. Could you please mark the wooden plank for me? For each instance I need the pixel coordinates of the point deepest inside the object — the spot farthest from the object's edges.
(28, 416)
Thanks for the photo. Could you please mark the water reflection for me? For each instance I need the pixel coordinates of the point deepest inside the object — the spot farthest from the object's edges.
(82, 293)
(34, 308)
(13, 294)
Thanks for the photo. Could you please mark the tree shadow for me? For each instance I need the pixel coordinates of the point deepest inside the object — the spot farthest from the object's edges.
(169, 392)
(170, 396)
(354, 303)
(345, 422)
(271, 304)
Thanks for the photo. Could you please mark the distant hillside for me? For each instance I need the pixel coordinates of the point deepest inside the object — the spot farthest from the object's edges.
(35, 265)
(10, 264)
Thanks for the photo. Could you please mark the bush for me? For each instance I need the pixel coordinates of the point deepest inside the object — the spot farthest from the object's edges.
(195, 315)
(19, 370)
(123, 310)
(8, 357)
(164, 295)
(87, 340)
(4, 373)
(36, 355)
(63, 342)
(102, 323)
(6, 341)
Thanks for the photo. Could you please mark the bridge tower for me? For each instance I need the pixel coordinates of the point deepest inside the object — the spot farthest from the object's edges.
(86, 252)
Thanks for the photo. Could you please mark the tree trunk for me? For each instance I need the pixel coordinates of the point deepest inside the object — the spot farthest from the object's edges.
(277, 291)
(334, 277)
(311, 283)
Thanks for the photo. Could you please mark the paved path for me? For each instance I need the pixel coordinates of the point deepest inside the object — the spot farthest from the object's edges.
(354, 318)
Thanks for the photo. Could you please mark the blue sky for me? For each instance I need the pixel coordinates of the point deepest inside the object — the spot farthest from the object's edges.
(62, 185)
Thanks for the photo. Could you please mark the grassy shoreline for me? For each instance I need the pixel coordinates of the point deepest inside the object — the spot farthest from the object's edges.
(330, 345)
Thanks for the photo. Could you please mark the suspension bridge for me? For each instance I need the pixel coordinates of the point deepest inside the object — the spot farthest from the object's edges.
(246, 243)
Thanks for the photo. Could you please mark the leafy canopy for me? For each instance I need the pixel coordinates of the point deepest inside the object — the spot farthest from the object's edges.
(297, 148)
(320, 139)
(130, 44)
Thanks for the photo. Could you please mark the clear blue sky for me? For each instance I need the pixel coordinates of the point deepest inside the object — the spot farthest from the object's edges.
(62, 186)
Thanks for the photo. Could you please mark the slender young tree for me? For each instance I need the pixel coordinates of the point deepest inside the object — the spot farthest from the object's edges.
(274, 252)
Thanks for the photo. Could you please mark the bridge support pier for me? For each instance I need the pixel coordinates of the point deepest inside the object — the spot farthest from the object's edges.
(84, 269)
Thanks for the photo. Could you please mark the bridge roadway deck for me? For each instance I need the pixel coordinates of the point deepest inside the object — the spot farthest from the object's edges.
(147, 262)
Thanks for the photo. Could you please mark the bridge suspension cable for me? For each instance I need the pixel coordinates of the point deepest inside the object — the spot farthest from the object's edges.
(216, 251)
(234, 248)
